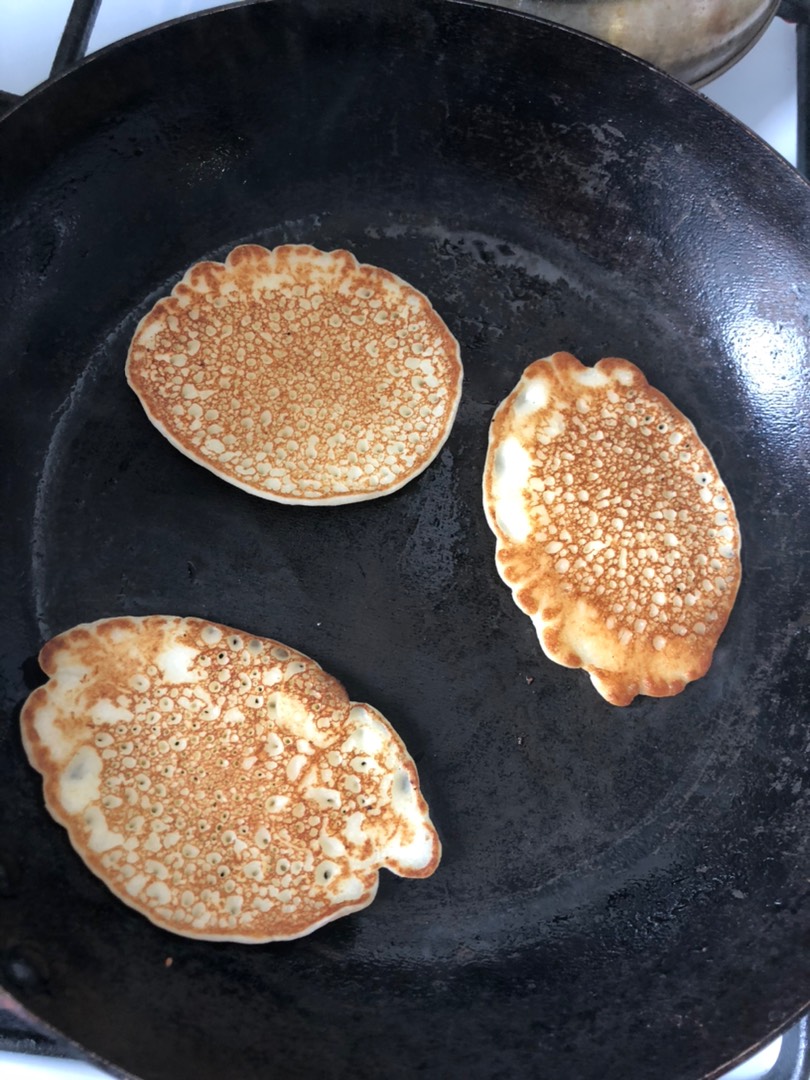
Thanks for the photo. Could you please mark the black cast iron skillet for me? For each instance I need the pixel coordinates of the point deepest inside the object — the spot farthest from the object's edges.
(624, 892)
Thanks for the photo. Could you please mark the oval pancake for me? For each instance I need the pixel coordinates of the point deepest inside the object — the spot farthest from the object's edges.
(614, 529)
(223, 785)
(299, 375)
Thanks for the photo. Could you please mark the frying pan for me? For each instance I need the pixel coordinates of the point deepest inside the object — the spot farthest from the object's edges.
(623, 891)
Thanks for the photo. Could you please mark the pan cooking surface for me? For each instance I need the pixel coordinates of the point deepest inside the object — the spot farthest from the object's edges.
(614, 881)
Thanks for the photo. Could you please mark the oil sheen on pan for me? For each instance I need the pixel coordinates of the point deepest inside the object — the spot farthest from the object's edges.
(223, 785)
(614, 530)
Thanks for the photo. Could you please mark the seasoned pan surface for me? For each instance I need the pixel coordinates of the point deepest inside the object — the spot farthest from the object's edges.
(618, 885)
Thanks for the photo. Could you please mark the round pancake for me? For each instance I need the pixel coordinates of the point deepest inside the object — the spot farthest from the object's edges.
(614, 529)
(299, 375)
(222, 785)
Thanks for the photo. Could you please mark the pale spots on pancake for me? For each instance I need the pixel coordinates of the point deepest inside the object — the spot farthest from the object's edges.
(628, 558)
(214, 808)
(299, 375)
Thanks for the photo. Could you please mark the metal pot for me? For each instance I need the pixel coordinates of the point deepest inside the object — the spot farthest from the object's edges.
(695, 40)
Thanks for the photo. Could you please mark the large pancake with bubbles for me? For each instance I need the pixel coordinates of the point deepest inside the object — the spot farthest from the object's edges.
(222, 785)
(614, 529)
(299, 375)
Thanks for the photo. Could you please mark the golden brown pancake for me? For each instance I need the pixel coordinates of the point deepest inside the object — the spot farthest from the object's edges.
(299, 375)
(223, 785)
(614, 530)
